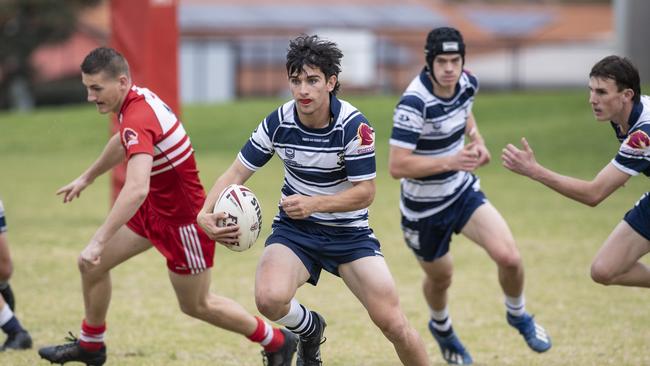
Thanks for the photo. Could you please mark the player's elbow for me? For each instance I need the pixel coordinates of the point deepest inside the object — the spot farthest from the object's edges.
(594, 199)
(138, 192)
(396, 170)
(368, 196)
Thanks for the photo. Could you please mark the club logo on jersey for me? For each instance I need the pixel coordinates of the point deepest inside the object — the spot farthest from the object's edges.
(638, 140)
(291, 153)
(130, 137)
(403, 117)
(366, 138)
(636, 143)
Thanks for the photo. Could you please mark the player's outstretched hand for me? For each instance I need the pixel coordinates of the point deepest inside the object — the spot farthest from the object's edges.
(217, 227)
(298, 206)
(521, 161)
(73, 189)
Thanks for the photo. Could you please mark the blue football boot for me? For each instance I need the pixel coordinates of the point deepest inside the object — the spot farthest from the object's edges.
(452, 350)
(534, 334)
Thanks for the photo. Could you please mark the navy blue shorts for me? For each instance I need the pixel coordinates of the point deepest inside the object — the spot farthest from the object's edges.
(429, 237)
(638, 217)
(324, 247)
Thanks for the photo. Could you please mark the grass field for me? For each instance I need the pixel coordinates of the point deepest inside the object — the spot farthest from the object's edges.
(589, 324)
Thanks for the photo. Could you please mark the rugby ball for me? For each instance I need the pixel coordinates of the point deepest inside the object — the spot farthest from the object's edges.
(243, 209)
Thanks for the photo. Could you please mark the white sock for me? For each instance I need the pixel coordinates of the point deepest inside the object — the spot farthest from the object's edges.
(298, 319)
(5, 315)
(441, 319)
(516, 306)
(294, 315)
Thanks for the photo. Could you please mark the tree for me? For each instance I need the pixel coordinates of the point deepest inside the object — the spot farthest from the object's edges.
(24, 26)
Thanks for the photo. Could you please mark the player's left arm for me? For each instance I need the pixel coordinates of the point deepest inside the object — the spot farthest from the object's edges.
(589, 192)
(357, 197)
(131, 197)
(473, 134)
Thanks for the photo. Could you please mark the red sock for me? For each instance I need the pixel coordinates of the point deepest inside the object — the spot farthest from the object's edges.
(92, 336)
(270, 338)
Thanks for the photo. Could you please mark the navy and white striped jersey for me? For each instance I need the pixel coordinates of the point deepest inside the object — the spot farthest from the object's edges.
(633, 156)
(317, 161)
(433, 126)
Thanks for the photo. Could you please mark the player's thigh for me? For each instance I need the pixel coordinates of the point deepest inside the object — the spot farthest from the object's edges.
(622, 249)
(122, 246)
(191, 289)
(279, 273)
(489, 229)
(371, 282)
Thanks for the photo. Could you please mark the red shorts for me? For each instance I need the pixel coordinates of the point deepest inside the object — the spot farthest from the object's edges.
(187, 249)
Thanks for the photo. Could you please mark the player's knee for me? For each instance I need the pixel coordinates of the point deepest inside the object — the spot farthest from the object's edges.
(193, 308)
(394, 326)
(438, 282)
(271, 303)
(5, 273)
(90, 272)
(6, 269)
(83, 268)
(508, 259)
(600, 273)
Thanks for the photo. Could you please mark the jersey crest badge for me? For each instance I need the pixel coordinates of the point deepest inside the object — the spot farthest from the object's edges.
(638, 140)
(291, 153)
(130, 137)
(636, 143)
(366, 137)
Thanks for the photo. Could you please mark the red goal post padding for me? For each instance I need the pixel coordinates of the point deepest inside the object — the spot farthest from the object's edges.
(146, 33)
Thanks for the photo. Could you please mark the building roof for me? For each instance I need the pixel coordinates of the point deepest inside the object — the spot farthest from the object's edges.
(215, 16)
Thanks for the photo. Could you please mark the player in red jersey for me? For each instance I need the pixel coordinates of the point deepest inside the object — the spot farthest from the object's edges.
(157, 207)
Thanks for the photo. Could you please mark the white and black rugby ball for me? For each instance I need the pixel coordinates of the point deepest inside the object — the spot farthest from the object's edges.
(243, 209)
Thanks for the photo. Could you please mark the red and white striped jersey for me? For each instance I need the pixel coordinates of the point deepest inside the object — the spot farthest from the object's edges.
(148, 125)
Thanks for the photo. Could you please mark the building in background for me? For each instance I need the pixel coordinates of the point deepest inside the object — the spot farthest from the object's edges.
(231, 49)
(240, 46)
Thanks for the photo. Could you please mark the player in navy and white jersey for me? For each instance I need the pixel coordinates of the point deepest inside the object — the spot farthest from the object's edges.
(440, 195)
(615, 96)
(327, 147)
(17, 336)
(318, 161)
(157, 207)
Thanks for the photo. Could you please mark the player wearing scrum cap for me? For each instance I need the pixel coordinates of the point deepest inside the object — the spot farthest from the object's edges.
(440, 195)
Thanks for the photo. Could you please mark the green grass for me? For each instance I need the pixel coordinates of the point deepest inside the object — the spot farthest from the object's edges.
(590, 324)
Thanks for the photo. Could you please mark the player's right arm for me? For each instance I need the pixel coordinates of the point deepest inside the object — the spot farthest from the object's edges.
(131, 197)
(237, 173)
(408, 124)
(591, 193)
(112, 155)
(404, 164)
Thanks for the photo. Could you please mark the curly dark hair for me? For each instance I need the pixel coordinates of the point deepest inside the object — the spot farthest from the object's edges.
(105, 59)
(314, 52)
(622, 71)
